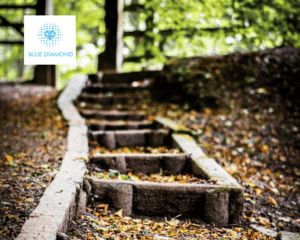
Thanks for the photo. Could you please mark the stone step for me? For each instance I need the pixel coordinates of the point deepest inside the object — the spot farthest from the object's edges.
(113, 114)
(110, 99)
(128, 77)
(146, 163)
(220, 203)
(131, 138)
(116, 87)
(169, 199)
(95, 125)
(112, 107)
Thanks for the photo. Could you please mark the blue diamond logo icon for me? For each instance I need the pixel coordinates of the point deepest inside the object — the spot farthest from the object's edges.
(49, 34)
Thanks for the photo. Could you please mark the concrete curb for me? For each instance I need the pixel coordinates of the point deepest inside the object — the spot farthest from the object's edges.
(58, 204)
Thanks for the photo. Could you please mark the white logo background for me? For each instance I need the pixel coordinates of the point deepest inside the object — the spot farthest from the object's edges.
(33, 45)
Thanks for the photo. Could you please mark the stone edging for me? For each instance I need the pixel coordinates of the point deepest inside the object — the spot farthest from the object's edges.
(58, 204)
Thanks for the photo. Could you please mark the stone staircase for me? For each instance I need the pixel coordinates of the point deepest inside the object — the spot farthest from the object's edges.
(111, 104)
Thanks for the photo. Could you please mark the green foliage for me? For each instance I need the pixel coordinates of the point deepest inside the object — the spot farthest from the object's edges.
(89, 31)
(181, 28)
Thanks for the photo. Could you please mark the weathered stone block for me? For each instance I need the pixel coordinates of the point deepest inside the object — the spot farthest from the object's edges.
(130, 138)
(174, 164)
(144, 163)
(81, 203)
(87, 188)
(158, 137)
(109, 140)
(236, 206)
(120, 196)
(121, 164)
(216, 207)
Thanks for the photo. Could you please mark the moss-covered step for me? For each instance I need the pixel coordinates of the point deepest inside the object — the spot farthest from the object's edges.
(162, 122)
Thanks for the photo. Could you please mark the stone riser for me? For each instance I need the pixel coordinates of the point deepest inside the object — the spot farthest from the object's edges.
(108, 100)
(207, 202)
(113, 107)
(143, 163)
(108, 126)
(131, 138)
(122, 77)
(113, 115)
(114, 88)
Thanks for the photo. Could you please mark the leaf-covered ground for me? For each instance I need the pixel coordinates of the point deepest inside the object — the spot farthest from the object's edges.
(155, 177)
(259, 146)
(33, 142)
(102, 223)
(96, 149)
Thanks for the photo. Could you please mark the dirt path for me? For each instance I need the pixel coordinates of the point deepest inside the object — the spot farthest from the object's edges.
(33, 141)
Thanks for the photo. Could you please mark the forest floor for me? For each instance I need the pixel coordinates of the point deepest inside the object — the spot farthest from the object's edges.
(258, 146)
(33, 141)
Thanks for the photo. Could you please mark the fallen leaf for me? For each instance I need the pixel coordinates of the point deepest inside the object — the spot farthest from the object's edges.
(284, 219)
(9, 158)
(29, 199)
(120, 213)
(263, 221)
(173, 222)
(104, 206)
(273, 201)
(264, 148)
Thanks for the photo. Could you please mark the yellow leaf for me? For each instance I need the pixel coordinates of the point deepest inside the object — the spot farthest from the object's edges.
(263, 221)
(207, 111)
(29, 199)
(280, 224)
(9, 158)
(250, 211)
(104, 206)
(250, 184)
(264, 148)
(297, 172)
(258, 191)
(120, 213)
(273, 201)
(214, 180)
(296, 220)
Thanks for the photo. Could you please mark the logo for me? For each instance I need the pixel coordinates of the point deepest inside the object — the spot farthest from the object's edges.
(50, 34)
(49, 40)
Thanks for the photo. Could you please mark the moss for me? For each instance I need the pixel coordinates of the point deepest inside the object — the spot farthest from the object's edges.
(219, 190)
